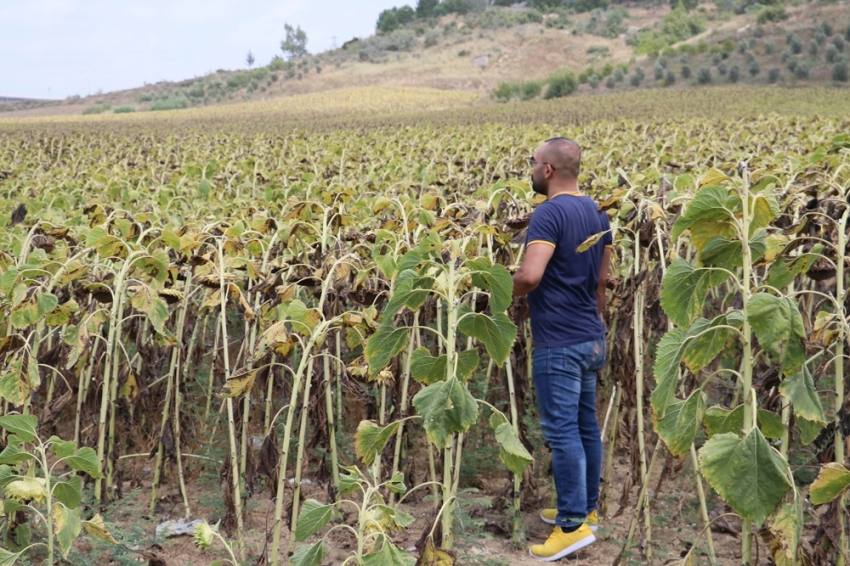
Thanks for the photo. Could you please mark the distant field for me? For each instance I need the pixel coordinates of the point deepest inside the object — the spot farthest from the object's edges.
(377, 106)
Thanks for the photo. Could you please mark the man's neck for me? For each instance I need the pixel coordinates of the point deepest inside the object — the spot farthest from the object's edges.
(563, 189)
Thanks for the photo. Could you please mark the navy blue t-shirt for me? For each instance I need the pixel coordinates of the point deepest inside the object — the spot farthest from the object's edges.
(563, 307)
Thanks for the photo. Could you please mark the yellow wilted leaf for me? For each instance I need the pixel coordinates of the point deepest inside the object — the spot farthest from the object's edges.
(590, 242)
(358, 367)
(433, 556)
(713, 177)
(825, 331)
(97, 529)
(240, 383)
(235, 294)
(130, 389)
(285, 292)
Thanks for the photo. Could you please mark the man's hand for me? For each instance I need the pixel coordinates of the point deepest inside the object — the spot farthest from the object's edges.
(529, 274)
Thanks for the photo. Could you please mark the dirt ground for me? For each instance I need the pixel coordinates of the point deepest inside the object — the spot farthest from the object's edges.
(485, 541)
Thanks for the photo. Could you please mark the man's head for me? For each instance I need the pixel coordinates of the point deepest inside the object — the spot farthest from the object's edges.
(555, 164)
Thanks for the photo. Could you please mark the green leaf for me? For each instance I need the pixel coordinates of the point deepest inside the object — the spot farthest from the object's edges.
(67, 526)
(427, 369)
(396, 484)
(784, 270)
(390, 518)
(446, 407)
(146, 301)
(719, 420)
(312, 518)
(24, 426)
(496, 332)
(511, 450)
(710, 203)
(389, 555)
(770, 424)
(809, 430)
(668, 355)
(765, 209)
(69, 493)
(678, 428)
(85, 460)
(800, 390)
(748, 474)
(701, 350)
(724, 252)
(411, 290)
(684, 289)
(777, 323)
(381, 346)
(371, 439)
(6, 475)
(12, 455)
(832, 481)
(494, 278)
(311, 555)
(32, 310)
(8, 558)
(788, 527)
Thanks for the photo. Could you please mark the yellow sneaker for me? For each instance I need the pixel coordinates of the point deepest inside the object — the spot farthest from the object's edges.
(560, 544)
(592, 519)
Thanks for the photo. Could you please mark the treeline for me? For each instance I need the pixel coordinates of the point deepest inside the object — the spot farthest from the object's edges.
(397, 17)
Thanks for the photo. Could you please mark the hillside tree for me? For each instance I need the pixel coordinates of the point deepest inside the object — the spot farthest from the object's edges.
(295, 44)
(425, 8)
(249, 59)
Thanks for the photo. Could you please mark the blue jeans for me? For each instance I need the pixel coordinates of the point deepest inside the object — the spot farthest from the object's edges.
(565, 384)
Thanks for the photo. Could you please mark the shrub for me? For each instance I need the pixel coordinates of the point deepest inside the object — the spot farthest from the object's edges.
(464, 53)
(830, 54)
(505, 91)
(662, 62)
(820, 38)
(773, 75)
(758, 32)
(98, 108)
(124, 109)
(743, 46)
(238, 80)
(704, 76)
(686, 71)
(749, 56)
(721, 69)
(634, 80)
(754, 68)
(716, 59)
(796, 46)
(734, 74)
(401, 40)
(640, 72)
(175, 103)
(145, 97)
(847, 33)
(593, 81)
(801, 72)
(771, 14)
(826, 27)
(786, 56)
(432, 37)
(610, 83)
(769, 48)
(792, 65)
(838, 42)
(530, 89)
(840, 72)
(607, 69)
(560, 83)
(813, 48)
(659, 72)
(273, 77)
(669, 78)
(618, 75)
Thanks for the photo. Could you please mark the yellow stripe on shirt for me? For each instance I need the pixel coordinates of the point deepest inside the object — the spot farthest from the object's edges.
(540, 242)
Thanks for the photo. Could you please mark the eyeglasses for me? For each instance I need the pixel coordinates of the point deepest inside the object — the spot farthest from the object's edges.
(533, 162)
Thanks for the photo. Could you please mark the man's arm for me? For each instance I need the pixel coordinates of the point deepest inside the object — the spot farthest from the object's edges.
(529, 274)
(603, 280)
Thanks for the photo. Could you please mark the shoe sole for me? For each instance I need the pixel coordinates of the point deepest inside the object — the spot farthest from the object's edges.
(575, 547)
(551, 522)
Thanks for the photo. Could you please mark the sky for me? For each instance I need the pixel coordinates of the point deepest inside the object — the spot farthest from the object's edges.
(59, 48)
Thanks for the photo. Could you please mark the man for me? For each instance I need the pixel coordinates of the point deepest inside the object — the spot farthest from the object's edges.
(566, 298)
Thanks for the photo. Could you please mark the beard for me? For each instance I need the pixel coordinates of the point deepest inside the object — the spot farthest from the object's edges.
(538, 187)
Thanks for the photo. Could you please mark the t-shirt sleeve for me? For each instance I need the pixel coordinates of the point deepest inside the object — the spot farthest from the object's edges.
(607, 238)
(543, 228)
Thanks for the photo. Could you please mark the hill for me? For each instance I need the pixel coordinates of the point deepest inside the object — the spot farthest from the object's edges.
(517, 52)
